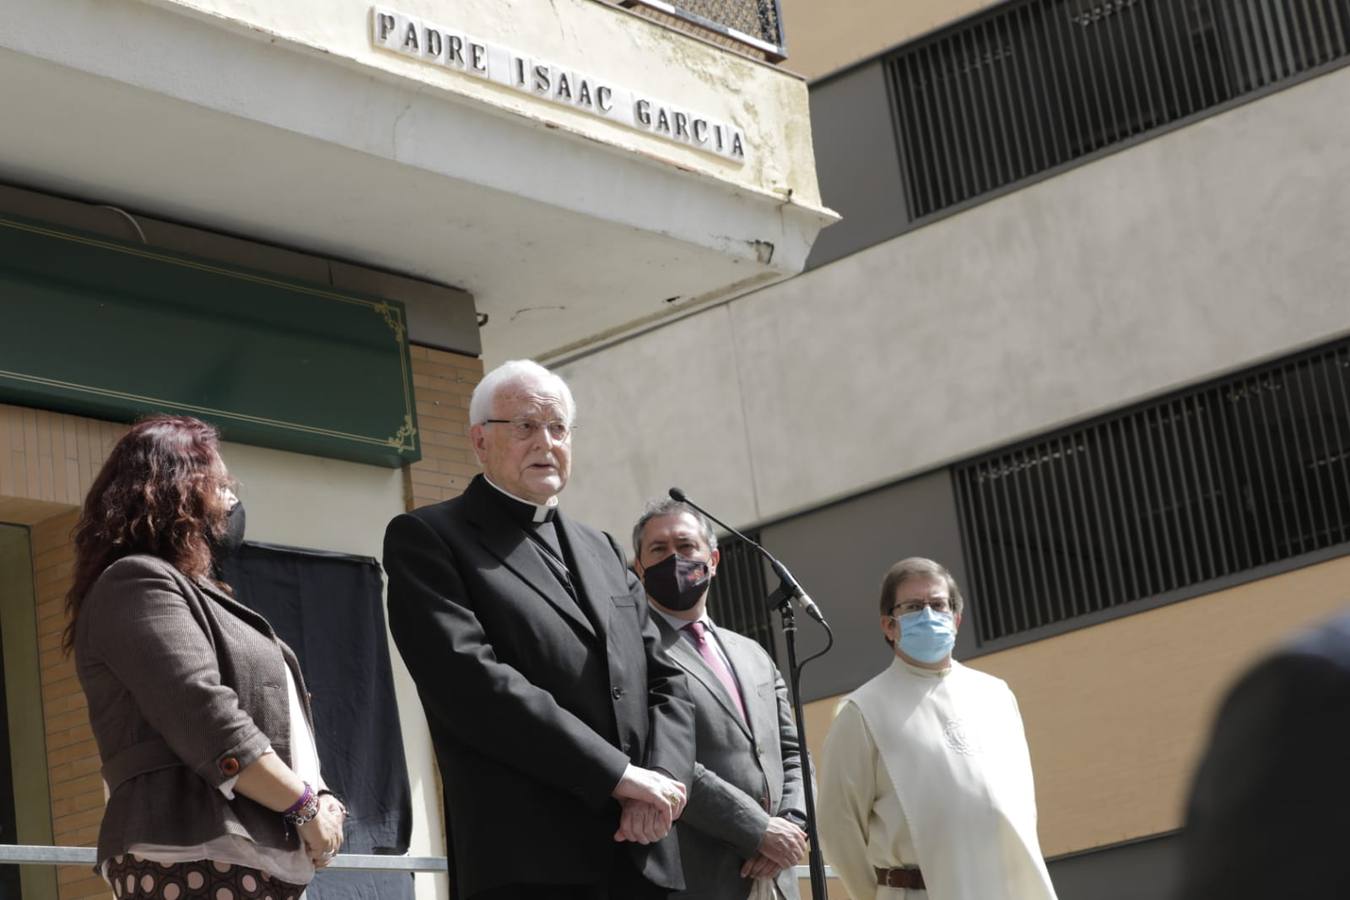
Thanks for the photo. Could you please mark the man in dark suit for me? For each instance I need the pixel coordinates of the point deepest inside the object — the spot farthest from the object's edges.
(564, 734)
(741, 834)
(1269, 813)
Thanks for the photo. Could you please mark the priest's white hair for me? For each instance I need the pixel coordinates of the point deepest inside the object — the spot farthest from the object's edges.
(513, 373)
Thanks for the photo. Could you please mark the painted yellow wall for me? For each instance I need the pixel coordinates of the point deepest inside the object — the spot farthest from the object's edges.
(825, 37)
(1117, 714)
(767, 103)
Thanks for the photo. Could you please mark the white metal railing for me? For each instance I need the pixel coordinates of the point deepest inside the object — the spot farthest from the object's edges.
(43, 855)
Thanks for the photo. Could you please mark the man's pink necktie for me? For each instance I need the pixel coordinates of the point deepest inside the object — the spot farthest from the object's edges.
(714, 661)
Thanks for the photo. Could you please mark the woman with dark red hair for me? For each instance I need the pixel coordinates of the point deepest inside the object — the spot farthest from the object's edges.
(200, 712)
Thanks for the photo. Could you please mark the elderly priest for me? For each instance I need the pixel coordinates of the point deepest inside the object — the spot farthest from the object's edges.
(925, 781)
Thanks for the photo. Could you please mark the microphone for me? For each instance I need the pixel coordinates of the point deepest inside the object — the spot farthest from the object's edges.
(790, 584)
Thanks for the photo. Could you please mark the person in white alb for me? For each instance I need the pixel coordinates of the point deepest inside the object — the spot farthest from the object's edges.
(926, 788)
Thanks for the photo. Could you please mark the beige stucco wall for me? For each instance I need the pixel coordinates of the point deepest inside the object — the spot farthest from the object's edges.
(825, 37)
(1193, 254)
(768, 104)
(1117, 714)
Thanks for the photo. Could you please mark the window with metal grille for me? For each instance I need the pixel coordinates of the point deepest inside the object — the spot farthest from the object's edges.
(1034, 84)
(755, 23)
(739, 596)
(1208, 482)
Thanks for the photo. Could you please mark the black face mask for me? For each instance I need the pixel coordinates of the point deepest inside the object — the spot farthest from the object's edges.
(677, 582)
(227, 543)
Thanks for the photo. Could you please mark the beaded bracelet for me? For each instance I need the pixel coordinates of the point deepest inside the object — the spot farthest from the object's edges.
(303, 810)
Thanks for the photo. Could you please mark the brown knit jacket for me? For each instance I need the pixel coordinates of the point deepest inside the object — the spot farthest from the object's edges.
(186, 687)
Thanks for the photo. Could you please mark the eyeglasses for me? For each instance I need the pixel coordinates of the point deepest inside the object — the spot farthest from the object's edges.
(526, 429)
(937, 604)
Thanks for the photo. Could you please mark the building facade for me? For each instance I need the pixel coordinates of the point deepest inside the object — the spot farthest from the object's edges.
(314, 224)
(1081, 335)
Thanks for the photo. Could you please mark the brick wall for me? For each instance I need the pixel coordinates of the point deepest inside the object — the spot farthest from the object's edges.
(72, 756)
(51, 458)
(443, 383)
(47, 462)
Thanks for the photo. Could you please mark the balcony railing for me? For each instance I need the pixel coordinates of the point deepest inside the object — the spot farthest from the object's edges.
(753, 25)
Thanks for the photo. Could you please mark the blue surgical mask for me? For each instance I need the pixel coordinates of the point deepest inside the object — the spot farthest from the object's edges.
(926, 635)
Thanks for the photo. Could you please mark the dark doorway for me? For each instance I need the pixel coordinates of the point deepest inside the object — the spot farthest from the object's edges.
(25, 803)
(9, 827)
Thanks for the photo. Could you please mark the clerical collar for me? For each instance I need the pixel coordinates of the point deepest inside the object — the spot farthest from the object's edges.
(525, 511)
(922, 672)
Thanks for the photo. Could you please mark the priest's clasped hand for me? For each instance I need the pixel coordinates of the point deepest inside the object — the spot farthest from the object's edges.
(651, 803)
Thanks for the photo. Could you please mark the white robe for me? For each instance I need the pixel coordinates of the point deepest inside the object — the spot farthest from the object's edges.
(931, 769)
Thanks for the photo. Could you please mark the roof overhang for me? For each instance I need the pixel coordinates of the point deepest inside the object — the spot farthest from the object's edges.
(565, 234)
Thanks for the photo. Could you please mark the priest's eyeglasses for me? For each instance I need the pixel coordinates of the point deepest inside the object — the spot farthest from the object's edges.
(526, 429)
(938, 604)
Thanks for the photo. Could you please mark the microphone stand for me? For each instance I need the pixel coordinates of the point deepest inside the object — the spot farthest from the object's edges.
(788, 591)
(782, 598)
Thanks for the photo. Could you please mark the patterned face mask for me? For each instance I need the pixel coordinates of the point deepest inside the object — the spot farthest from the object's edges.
(677, 582)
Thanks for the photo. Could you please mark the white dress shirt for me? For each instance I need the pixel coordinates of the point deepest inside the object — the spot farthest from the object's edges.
(681, 625)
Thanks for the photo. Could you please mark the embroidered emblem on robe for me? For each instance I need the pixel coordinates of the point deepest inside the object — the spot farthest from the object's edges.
(954, 733)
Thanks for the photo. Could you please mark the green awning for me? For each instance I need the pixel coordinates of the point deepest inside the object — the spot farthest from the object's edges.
(116, 330)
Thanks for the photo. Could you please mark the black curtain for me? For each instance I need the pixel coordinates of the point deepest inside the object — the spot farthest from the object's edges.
(328, 608)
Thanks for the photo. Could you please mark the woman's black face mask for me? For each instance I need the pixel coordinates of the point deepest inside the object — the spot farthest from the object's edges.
(227, 543)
